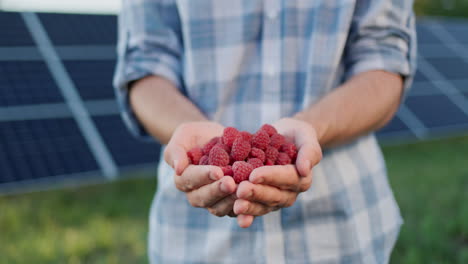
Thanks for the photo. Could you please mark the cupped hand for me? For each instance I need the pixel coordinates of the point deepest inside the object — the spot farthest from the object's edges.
(205, 186)
(273, 187)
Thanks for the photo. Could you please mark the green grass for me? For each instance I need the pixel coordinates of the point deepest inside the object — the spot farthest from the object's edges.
(454, 8)
(430, 181)
(97, 224)
(108, 223)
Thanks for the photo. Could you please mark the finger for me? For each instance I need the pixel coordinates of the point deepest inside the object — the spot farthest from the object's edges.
(176, 156)
(244, 207)
(281, 176)
(266, 195)
(245, 221)
(206, 196)
(224, 206)
(308, 156)
(196, 176)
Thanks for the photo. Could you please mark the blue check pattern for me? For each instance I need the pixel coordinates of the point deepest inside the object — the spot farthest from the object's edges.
(249, 62)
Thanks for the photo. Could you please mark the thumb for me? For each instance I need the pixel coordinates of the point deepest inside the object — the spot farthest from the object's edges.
(310, 153)
(176, 157)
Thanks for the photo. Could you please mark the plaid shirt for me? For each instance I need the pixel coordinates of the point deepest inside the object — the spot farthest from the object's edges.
(250, 62)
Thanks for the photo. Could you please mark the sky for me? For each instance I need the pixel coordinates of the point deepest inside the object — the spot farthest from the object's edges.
(66, 6)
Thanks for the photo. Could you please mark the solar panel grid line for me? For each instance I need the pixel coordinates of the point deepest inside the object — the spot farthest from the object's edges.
(446, 87)
(412, 122)
(28, 53)
(86, 52)
(56, 110)
(102, 107)
(33, 112)
(68, 89)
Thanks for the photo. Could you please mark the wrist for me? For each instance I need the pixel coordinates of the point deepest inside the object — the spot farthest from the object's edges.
(319, 126)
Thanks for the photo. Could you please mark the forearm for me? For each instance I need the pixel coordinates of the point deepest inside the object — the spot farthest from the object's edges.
(161, 108)
(361, 105)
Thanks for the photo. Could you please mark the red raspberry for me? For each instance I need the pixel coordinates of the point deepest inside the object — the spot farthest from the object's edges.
(260, 140)
(277, 140)
(227, 170)
(218, 157)
(257, 153)
(229, 135)
(290, 149)
(271, 153)
(204, 160)
(195, 155)
(221, 145)
(208, 146)
(240, 149)
(269, 162)
(269, 129)
(246, 135)
(283, 159)
(241, 171)
(255, 162)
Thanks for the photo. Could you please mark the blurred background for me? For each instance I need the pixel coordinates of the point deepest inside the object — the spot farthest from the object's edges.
(75, 187)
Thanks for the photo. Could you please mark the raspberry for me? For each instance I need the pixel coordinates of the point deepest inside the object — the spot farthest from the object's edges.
(226, 148)
(277, 140)
(229, 135)
(241, 171)
(245, 135)
(283, 159)
(290, 149)
(195, 155)
(255, 162)
(271, 153)
(208, 146)
(269, 162)
(204, 160)
(269, 129)
(218, 157)
(240, 149)
(227, 170)
(257, 153)
(260, 140)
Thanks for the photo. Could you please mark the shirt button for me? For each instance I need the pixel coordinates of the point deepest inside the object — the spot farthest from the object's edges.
(272, 13)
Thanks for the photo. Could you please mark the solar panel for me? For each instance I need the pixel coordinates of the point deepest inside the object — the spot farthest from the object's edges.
(436, 111)
(74, 29)
(26, 83)
(44, 137)
(93, 78)
(452, 68)
(42, 148)
(125, 149)
(13, 31)
(457, 28)
(425, 36)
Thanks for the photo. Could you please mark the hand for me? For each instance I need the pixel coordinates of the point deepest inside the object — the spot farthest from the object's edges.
(273, 187)
(205, 186)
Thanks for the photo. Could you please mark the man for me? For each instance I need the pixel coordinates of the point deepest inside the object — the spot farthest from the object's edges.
(327, 73)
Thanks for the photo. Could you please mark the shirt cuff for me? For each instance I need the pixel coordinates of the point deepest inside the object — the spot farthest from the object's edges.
(129, 70)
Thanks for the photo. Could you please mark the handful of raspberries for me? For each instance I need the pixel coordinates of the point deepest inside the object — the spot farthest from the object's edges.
(239, 153)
